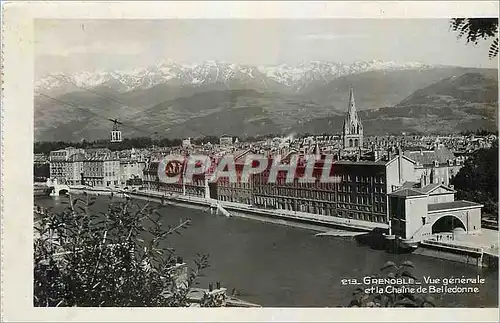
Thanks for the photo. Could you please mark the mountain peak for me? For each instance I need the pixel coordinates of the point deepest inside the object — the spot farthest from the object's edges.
(295, 77)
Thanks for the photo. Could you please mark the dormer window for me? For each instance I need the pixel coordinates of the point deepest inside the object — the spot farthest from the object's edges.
(436, 163)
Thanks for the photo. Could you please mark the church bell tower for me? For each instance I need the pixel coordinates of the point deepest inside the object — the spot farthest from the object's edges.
(352, 133)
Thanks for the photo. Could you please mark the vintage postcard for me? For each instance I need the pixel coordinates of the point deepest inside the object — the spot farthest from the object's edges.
(250, 161)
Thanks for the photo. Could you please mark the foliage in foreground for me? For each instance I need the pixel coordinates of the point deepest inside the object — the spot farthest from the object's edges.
(116, 258)
(475, 29)
(376, 299)
(477, 180)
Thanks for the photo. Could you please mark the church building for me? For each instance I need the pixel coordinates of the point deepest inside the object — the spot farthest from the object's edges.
(352, 133)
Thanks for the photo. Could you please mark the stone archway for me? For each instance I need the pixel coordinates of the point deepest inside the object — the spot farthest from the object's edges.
(447, 223)
(350, 143)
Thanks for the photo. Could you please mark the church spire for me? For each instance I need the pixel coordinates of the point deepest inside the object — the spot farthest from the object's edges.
(353, 130)
(352, 106)
(351, 99)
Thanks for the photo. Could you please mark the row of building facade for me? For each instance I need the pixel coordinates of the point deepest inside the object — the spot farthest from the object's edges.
(94, 167)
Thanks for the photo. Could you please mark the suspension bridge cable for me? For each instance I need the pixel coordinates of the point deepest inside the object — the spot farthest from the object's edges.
(93, 113)
(97, 93)
(117, 101)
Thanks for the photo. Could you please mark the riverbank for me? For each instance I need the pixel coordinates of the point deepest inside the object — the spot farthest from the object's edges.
(322, 225)
(284, 266)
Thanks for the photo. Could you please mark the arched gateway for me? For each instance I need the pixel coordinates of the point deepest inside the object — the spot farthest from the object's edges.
(447, 223)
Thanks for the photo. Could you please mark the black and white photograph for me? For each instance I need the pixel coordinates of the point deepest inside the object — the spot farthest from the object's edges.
(265, 163)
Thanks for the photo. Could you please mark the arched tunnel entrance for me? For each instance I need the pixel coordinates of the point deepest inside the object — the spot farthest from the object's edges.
(63, 192)
(447, 223)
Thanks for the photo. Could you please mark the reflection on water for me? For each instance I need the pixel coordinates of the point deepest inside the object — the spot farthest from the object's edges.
(276, 265)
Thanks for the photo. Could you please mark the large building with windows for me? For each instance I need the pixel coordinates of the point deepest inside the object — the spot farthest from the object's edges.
(195, 187)
(236, 191)
(94, 167)
(61, 164)
(438, 165)
(360, 191)
(131, 169)
(101, 170)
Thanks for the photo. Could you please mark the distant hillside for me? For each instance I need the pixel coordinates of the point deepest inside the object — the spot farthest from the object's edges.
(243, 112)
(446, 98)
(415, 119)
(247, 111)
(378, 89)
(454, 104)
(456, 91)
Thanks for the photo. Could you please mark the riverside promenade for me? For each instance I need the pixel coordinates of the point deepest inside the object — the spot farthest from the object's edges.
(299, 219)
(320, 222)
(479, 249)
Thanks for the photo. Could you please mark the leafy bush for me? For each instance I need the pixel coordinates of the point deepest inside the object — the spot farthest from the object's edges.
(475, 29)
(116, 258)
(376, 299)
(477, 180)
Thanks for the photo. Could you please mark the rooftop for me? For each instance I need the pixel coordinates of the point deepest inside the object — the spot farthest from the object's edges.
(407, 192)
(451, 205)
(410, 185)
(426, 189)
(426, 157)
(361, 162)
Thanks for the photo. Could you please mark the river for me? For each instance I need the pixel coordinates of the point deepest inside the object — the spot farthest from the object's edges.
(281, 266)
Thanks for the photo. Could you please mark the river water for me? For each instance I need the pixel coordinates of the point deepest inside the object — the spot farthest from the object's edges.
(281, 266)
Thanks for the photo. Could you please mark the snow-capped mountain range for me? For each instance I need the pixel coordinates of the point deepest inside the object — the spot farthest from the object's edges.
(292, 77)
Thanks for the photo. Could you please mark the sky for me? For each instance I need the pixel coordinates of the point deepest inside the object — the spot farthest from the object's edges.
(86, 45)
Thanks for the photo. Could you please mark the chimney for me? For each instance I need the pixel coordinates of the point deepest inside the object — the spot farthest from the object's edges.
(400, 165)
(374, 152)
